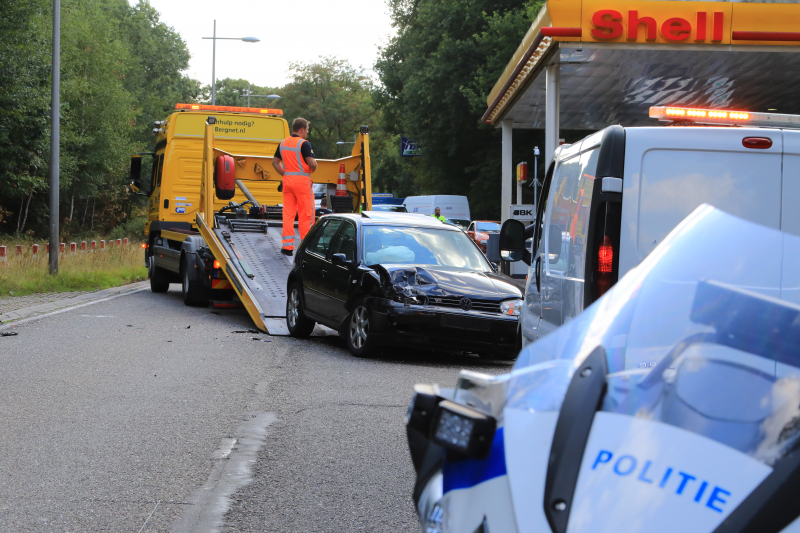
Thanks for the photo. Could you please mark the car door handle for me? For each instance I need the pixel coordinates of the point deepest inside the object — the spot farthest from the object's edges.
(305, 263)
(539, 274)
(324, 272)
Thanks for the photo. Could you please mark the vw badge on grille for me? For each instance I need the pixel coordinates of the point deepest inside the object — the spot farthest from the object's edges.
(465, 303)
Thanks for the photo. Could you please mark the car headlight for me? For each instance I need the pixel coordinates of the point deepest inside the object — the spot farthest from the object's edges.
(511, 307)
(431, 515)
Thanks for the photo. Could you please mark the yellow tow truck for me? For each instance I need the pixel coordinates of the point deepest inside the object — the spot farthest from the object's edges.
(226, 249)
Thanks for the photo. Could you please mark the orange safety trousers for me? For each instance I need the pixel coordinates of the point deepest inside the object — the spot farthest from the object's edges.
(298, 199)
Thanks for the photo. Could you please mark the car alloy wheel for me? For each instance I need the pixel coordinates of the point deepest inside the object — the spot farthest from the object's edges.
(359, 327)
(293, 309)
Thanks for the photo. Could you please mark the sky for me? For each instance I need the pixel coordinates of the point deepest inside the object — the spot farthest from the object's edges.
(290, 31)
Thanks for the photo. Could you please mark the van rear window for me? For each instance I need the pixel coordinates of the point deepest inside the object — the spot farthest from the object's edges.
(675, 182)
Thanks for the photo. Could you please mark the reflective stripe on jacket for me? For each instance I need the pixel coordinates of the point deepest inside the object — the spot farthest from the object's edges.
(293, 162)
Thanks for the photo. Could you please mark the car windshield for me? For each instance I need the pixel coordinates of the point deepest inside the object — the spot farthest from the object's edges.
(421, 246)
(487, 226)
(463, 224)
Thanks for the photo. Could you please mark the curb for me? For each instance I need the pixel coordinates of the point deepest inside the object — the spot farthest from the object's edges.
(28, 312)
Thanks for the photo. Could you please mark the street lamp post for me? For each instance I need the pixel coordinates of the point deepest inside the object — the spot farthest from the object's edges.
(250, 93)
(54, 138)
(214, 58)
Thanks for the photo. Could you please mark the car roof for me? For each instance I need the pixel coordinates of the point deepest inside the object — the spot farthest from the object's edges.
(383, 218)
(492, 221)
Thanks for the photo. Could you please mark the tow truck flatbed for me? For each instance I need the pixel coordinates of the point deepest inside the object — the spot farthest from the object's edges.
(259, 247)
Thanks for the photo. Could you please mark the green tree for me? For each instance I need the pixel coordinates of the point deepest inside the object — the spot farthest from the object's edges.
(99, 110)
(436, 74)
(24, 108)
(335, 97)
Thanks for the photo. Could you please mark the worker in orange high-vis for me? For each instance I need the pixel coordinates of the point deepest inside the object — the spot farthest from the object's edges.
(295, 161)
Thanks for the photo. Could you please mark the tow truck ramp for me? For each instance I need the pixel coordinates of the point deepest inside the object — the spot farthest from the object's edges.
(254, 264)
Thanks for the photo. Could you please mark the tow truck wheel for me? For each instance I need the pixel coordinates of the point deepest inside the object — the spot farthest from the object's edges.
(299, 325)
(359, 341)
(158, 278)
(194, 293)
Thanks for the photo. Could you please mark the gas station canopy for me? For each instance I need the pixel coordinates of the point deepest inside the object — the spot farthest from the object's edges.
(588, 64)
(705, 54)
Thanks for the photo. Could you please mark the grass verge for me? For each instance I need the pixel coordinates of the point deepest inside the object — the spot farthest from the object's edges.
(83, 271)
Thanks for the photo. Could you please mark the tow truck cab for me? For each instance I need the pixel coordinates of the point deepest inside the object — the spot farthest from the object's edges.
(609, 199)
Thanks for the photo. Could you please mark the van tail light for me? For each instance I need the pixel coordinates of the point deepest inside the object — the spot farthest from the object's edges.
(605, 256)
(216, 264)
(761, 143)
(605, 267)
(602, 259)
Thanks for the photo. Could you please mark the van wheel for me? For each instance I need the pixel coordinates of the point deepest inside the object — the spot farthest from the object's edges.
(158, 278)
(299, 325)
(194, 293)
(359, 340)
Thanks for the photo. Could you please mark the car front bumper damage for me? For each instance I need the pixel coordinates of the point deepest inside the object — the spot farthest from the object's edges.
(451, 330)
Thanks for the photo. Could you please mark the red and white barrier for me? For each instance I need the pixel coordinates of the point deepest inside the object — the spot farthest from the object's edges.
(94, 245)
(73, 247)
(119, 242)
(83, 246)
(62, 248)
(3, 257)
(35, 251)
(102, 246)
(125, 241)
(19, 249)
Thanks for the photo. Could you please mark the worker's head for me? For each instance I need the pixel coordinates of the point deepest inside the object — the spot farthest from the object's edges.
(301, 127)
(438, 212)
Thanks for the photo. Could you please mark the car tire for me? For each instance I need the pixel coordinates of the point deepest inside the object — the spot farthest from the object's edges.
(296, 320)
(159, 282)
(194, 293)
(359, 341)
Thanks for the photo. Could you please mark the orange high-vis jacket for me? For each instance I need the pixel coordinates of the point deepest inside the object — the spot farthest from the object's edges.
(293, 162)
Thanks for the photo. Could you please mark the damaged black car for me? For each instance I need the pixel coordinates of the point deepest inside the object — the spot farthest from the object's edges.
(394, 279)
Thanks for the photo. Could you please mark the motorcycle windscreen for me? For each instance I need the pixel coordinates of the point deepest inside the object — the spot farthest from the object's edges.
(702, 342)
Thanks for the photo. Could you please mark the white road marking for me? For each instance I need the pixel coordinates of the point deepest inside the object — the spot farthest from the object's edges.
(224, 449)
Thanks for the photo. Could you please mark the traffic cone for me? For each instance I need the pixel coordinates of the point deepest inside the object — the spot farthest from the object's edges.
(341, 185)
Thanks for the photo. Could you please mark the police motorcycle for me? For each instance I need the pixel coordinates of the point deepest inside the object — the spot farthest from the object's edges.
(672, 404)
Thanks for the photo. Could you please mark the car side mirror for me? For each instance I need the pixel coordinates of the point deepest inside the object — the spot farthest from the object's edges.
(512, 240)
(340, 260)
(555, 235)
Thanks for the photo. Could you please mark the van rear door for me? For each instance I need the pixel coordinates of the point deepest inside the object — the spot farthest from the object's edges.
(671, 171)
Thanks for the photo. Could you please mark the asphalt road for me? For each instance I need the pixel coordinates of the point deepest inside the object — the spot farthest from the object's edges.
(140, 414)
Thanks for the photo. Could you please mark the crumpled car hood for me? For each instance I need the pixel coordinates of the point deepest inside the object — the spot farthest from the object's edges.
(433, 281)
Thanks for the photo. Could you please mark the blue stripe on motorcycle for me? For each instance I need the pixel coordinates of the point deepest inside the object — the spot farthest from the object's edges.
(466, 473)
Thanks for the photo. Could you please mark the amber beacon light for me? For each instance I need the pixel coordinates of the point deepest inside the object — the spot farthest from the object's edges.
(723, 117)
(230, 109)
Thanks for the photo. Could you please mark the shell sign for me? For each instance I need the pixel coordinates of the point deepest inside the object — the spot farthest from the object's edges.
(657, 22)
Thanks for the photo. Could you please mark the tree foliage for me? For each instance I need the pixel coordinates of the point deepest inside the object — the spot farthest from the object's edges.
(121, 69)
(436, 74)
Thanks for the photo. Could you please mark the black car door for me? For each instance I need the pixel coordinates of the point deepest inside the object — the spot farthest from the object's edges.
(336, 278)
(313, 261)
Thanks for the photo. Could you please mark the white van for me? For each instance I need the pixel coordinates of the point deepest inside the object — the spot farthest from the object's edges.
(452, 207)
(612, 197)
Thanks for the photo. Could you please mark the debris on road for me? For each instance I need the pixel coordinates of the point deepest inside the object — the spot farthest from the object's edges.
(188, 327)
(8, 334)
(247, 331)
